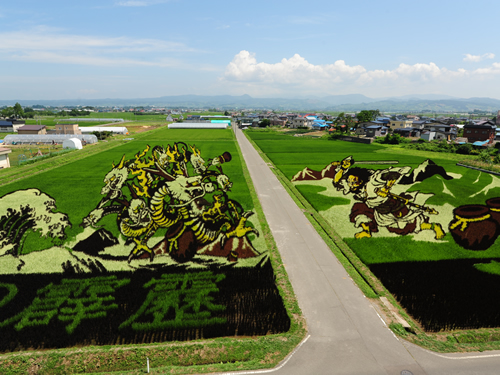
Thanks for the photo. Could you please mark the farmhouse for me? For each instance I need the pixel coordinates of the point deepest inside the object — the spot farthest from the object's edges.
(11, 125)
(4, 157)
(32, 129)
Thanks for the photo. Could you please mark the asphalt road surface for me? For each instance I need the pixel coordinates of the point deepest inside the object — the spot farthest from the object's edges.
(346, 335)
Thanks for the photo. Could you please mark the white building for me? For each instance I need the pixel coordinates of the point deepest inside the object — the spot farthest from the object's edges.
(4, 157)
(113, 129)
(74, 143)
(198, 125)
(306, 122)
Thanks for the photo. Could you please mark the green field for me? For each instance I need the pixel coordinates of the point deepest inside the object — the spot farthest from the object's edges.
(127, 116)
(64, 185)
(50, 122)
(414, 266)
(292, 154)
(75, 183)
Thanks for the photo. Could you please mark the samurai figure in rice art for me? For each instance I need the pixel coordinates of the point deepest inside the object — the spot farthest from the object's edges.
(378, 207)
(176, 189)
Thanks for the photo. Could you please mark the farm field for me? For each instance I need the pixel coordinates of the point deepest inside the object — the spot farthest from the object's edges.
(127, 116)
(156, 239)
(52, 122)
(425, 227)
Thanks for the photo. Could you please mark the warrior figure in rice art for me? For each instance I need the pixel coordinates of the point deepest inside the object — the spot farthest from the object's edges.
(163, 194)
(377, 206)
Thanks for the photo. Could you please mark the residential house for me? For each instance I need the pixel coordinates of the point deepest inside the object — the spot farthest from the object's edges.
(32, 129)
(419, 124)
(428, 135)
(320, 124)
(446, 132)
(400, 124)
(385, 120)
(11, 125)
(484, 132)
(361, 128)
(303, 122)
(407, 132)
(373, 131)
(278, 122)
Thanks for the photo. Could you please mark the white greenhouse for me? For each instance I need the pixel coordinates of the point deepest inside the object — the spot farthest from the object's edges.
(33, 139)
(198, 125)
(74, 143)
(113, 129)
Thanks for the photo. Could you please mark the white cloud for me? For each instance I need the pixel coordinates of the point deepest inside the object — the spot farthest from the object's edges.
(80, 59)
(477, 58)
(44, 44)
(244, 67)
(299, 74)
(42, 38)
(491, 70)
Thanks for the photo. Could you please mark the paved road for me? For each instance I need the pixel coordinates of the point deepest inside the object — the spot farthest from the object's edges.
(347, 336)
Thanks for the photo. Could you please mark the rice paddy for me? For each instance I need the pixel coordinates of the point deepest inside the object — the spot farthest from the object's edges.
(391, 243)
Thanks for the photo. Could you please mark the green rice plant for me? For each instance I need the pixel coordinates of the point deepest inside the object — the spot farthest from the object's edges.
(12, 291)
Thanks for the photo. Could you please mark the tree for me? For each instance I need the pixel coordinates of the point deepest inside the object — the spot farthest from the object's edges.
(368, 115)
(8, 112)
(344, 123)
(264, 123)
(18, 110)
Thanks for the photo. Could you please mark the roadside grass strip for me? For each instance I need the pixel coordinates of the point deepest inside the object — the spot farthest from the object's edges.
(153, 247)
(429, 244)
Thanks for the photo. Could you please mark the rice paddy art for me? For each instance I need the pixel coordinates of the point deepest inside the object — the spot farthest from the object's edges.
(165, 253)
(377, 205)
(427, 230)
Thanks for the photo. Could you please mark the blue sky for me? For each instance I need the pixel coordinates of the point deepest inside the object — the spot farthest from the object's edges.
(151, 48)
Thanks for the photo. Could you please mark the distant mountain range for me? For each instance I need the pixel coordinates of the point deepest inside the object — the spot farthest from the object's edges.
(348, 103)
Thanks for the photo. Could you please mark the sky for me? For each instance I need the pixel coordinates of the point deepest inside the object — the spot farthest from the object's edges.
(90, 49)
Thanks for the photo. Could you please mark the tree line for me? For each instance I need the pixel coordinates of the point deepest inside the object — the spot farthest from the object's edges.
(17, 111)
